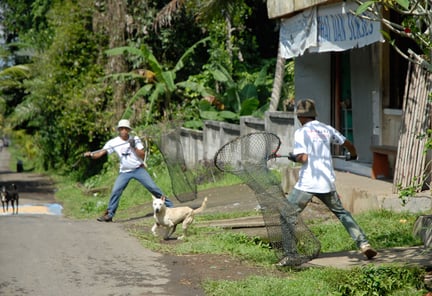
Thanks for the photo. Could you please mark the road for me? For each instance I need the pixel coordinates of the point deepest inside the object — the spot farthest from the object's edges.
(47, 254)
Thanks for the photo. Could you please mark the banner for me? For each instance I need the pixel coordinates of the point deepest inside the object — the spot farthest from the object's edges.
(298, 33)
(334, 28)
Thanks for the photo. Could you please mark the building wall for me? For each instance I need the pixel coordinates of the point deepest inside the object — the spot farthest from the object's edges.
(366, 99)
(312, 80)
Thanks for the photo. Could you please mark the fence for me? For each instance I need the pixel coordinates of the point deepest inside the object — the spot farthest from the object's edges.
(411, 162)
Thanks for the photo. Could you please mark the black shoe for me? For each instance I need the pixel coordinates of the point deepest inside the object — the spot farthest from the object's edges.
(105, 218)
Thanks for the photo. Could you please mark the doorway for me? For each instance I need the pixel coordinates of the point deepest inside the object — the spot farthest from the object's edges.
(341, 111)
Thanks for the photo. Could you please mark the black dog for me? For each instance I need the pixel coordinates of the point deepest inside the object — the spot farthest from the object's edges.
(11, 196)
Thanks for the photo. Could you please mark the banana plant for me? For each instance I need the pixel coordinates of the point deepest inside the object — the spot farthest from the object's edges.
(239, 98)
(160, 84)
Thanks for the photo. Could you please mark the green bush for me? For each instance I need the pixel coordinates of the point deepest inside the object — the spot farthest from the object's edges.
(372, 280)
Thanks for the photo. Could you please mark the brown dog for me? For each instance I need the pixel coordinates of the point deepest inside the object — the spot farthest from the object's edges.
(169, 218)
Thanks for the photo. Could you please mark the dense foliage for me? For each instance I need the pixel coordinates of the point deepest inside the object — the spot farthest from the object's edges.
(70, 70)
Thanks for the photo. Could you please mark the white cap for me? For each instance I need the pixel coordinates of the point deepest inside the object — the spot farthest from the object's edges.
(124, 123)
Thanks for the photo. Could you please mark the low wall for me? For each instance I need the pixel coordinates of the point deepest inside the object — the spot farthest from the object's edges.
(250, 124)
(283, 124)
(192, 146)
(201, 146)
(215, 135)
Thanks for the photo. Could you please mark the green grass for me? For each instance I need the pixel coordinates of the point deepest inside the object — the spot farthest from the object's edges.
(208, 240)
(385, 229)
(368, 280)
(83, 201)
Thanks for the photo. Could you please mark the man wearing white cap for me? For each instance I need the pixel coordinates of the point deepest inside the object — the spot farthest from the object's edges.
(130, 151)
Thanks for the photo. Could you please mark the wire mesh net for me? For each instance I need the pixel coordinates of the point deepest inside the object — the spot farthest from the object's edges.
(168, 140)
(246, 157)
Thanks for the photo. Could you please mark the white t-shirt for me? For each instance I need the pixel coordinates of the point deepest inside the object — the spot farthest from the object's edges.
(315, 139)
(129, 161)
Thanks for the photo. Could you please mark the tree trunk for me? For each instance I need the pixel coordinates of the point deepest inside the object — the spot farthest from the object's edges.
(110, 20)
(229, 36)
(117, 64)
(278, 82)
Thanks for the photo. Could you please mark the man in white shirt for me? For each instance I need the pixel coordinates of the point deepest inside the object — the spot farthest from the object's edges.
(130, 151)
(312, 148)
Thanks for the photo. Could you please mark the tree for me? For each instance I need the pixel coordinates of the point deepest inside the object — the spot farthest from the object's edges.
(11, 85)
(415, 24)
(278, 82)
(112, 16)
(11, 77)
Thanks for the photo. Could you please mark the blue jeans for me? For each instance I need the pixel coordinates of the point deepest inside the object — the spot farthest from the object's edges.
(299, 199)
(142, 176)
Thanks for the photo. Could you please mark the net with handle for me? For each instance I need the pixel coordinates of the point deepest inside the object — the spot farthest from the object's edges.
(167, 137)
(246, 157)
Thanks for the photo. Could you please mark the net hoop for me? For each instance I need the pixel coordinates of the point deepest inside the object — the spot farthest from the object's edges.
(232, 156)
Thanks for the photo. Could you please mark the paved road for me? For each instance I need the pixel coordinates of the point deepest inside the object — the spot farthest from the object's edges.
(44, 255)
(50, 255)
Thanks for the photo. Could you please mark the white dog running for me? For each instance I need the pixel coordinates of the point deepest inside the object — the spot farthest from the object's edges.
(169, 218)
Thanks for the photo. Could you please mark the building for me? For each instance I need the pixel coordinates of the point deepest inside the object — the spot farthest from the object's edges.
(343, 63)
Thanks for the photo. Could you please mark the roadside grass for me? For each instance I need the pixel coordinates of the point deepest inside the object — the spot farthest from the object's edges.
(85, 201)
(393, 280)
(385, 229)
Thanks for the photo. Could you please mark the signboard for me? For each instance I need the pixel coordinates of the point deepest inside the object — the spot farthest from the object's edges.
(327, 28)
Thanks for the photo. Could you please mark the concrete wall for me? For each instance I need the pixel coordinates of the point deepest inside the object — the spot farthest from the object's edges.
(192, 146)
(250, 124)
(215, 135)
(283, 124)
(201, 146)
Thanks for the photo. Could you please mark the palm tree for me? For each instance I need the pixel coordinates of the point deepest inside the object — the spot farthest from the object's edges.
(11, 79)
